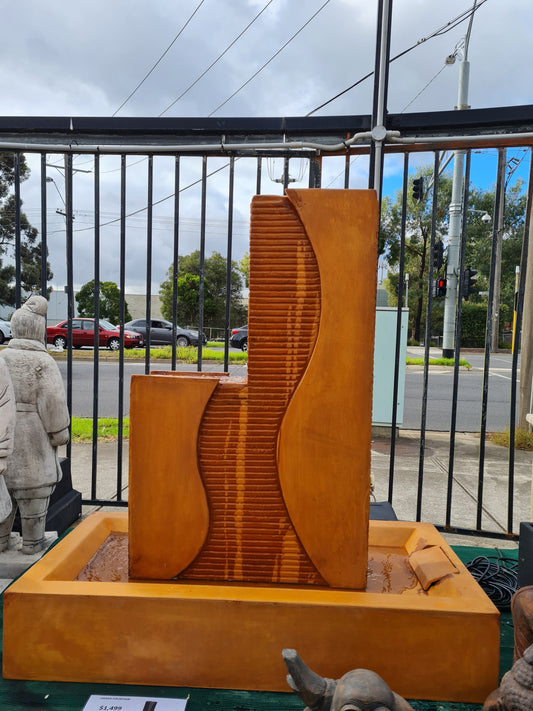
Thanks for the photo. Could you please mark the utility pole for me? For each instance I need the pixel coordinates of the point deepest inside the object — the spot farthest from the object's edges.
(381, 82)
(456, 210)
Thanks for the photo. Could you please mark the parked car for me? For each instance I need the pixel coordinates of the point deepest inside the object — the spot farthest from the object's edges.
(239, 338)
(5, 331)
(161, 332)
(83, 335)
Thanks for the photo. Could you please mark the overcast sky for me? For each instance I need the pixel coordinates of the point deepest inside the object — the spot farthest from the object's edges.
(85, 59)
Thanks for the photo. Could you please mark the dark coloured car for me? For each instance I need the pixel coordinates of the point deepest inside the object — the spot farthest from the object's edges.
(161, 333)
(239, 338)
(83, 335)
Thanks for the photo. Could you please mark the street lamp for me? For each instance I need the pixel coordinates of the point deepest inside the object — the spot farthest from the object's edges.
(485, 217)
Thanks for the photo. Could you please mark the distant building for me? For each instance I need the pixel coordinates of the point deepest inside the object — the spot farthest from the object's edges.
(137, 305)
(58, 307)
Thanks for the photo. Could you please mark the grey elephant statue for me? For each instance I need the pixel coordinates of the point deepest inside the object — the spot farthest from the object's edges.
(357, 690)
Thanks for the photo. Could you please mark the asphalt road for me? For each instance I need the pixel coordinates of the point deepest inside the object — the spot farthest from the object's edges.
(108, 385)
(470, 388)
(438, 402)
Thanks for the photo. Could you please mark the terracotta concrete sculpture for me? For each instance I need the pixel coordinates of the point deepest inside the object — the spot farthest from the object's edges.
(248, 525)
(270, 465)
(42, 421)
(358, 690)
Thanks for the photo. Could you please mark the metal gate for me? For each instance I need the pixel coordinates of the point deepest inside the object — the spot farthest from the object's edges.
(113, 173)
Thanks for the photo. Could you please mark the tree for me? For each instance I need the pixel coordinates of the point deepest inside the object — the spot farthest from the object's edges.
(479, 243)
(109, 301)
(477, 249)
(188, 291)
(30, 248)
(244, 266)
(417, 242)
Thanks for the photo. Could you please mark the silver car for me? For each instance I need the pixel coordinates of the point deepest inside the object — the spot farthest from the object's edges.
(5, 331)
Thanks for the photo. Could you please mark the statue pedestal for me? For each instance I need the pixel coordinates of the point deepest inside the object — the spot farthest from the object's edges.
(65, 504)
(442, 644)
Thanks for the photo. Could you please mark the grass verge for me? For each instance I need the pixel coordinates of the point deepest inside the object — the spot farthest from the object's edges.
(82, 429)
(438, 361)
(190, 354)
(523, 439)
(184, 355)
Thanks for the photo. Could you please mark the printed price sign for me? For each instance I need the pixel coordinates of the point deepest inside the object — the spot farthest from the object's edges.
(133, 703)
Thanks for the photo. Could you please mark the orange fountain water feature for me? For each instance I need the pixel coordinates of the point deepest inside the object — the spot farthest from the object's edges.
(248, 526)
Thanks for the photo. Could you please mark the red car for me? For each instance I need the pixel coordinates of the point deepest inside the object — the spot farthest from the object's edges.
(83, 335)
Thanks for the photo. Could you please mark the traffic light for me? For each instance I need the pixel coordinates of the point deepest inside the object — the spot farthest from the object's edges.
(440, 287)
(469, 282)
(418, 188)
(438, 255)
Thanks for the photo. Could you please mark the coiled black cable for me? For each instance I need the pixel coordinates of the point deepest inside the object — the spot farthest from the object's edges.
(498, 576)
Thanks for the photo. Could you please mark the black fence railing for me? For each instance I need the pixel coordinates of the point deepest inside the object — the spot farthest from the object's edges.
(133, 194)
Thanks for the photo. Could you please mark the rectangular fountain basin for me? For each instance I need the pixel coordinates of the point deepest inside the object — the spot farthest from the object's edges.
(439, 644)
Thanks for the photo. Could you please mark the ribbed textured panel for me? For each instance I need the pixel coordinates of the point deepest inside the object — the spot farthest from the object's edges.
(251, 537)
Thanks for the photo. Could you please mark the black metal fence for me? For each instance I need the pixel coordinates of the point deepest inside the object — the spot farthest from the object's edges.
(173, 178)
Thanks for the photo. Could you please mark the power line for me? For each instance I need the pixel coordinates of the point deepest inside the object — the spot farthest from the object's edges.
(271, 58)
(160, 58)
(158, 202)
(444, 29)
(423, 88)
(217, 59)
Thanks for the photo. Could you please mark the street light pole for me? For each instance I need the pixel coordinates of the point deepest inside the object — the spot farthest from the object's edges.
(456, 210)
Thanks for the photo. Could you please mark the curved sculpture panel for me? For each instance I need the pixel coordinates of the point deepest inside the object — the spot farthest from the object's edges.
(324, 440)
(169, 516)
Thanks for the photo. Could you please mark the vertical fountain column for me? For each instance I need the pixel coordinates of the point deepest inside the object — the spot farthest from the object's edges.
(280, 460)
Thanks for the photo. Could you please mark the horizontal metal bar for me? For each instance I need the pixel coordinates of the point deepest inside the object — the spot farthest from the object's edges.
(104, 502)
(220, 147)
(484, 534)
(505, 118)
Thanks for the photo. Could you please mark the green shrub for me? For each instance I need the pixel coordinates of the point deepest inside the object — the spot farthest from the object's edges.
(473, 325)
(523, 439)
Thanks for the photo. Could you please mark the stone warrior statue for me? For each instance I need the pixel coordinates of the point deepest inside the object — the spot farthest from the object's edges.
(7, 431)
(42, 422)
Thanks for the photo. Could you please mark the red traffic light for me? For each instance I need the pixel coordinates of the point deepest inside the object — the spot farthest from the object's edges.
(440, 287)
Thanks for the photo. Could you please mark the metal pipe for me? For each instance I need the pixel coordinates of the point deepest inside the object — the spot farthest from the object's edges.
(202, 261)
(228, 263)
(486, 363)
(70, 285)
(199, 148)
(44, 246)
(427, 340)
(517, 344)
(18, 257)
(455, 387)
(96, 364)
(175, 258)
(379, 132)
(148, 313)
(399, 316)
(122, 278)
(391, 137)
